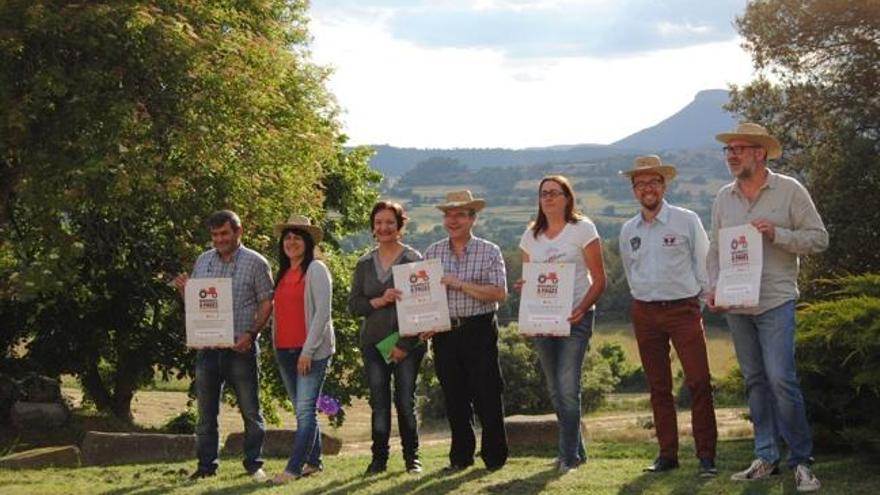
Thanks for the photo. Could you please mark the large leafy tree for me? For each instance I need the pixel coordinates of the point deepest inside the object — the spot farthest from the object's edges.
(123, 124)
(818, 87)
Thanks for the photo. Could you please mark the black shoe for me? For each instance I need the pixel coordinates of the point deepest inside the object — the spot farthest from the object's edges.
(454, 468)
(375, 467)
(707, 467)
(199, 474)
(413, 466)
(662, 464)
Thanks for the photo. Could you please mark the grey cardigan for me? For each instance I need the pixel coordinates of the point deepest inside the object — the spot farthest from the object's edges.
(365, 285)
(320, 338)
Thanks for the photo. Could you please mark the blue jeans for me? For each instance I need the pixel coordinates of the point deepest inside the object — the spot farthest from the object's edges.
(765, 350)
(214, 369)
(562, 359)
(303, 391)
(378, 374)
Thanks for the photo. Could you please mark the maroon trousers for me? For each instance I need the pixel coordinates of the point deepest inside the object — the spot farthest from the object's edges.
(656, 324)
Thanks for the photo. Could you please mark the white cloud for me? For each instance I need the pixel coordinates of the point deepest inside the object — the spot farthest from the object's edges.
(400, 93)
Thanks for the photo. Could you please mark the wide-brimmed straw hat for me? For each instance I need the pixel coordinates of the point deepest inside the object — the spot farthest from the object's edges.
(651, 163)
(754, 133)
(462, 199)
(302, 223)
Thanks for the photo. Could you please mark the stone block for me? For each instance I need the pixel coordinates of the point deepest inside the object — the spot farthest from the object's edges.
(26, 415)
(67, 456)
(279, 443)
(37, 388)
(534, 431)
(106, 448)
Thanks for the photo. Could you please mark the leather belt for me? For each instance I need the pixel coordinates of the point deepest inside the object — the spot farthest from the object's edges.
(458, 322)
(673, 302)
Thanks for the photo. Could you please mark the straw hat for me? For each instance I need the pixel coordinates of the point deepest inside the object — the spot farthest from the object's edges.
(302, 223)
(754, 133)
(651, 163)
(462, 199)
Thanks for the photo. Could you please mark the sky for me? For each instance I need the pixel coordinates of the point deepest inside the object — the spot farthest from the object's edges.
(520, 73)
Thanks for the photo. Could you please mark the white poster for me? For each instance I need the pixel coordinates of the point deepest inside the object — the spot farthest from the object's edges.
(209, 321)
(422, 306)
(546, 299)
(741, 254)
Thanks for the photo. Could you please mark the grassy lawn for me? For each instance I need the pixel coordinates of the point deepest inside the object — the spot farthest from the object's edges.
(613, 468)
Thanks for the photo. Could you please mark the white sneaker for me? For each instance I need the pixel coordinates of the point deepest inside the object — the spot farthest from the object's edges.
(259, 476)
(309, 470)
(805, 480)
(759, 470)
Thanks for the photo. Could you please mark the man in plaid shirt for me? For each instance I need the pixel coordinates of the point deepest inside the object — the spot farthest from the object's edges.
(237, 366)
(466, 358)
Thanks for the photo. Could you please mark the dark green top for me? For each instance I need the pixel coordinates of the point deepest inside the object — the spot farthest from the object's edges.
(370, 281)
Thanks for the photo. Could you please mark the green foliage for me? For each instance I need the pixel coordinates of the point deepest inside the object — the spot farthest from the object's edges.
(122, 126)
(183, 423)
(838, 347)
(525, 391)
(823, 60)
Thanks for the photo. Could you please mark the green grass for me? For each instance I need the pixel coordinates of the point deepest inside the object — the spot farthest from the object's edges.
(613, 468)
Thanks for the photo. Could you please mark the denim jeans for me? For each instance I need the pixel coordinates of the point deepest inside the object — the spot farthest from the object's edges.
(562, 360)
(765, 350)
(378, 374)
(303, 391)
(214, 369)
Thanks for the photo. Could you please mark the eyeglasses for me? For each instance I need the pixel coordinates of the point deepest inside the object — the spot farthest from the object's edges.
(653, 184)
(737, 150)
(552, 193)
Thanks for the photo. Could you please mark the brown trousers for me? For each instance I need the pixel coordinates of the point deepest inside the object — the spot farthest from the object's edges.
(656, 324)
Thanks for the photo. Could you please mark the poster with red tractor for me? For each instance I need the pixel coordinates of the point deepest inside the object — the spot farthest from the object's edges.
(546, 299)
(209, 321)
(422, 306)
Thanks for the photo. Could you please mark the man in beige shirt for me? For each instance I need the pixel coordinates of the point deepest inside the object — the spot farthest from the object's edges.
(783, 212)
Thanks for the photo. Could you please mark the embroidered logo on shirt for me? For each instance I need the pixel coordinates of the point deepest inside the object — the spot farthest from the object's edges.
(669, 240)
(635, 243)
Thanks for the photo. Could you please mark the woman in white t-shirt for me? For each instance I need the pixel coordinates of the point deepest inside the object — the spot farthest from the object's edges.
(563, 235)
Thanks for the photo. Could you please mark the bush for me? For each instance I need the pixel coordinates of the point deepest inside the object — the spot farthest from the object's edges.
(838, 347)
(183, 423)
(525, 391)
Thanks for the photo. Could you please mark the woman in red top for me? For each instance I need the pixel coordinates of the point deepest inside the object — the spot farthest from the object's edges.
(304, 339)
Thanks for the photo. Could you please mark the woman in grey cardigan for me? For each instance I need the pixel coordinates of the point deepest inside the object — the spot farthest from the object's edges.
(303, 337)
(373, 296)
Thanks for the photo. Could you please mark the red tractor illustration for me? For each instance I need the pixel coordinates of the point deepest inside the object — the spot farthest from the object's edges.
(420, 275)
(739, 242)
(204, 293)
(548, 277)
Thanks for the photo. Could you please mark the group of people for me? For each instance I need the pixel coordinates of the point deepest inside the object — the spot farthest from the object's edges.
(672, 269)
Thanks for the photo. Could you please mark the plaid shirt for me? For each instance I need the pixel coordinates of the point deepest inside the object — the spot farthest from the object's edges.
(251, 282)
(481, 264)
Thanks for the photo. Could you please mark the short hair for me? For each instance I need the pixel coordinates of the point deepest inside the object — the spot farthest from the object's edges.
(220, 218)
(395, 208)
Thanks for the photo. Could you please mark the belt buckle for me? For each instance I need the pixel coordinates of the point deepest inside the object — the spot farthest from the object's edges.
(456, 322)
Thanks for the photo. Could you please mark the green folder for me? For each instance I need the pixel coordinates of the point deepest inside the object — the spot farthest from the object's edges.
(385, 345)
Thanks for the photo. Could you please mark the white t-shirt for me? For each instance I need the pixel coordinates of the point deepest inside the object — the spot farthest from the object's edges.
(567, 247)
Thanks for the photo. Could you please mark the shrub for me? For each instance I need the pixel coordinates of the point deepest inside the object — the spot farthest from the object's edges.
(183, 423)
(525, 391)
(838, 346)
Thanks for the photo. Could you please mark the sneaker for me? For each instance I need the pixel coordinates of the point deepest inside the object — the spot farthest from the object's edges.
(284, 477)
(375, 467)
(707, 468)
(309, 470)
(564, 468)
(259, 476)
(759, 470)
(413, 466)
(199, 474)
(804, 479)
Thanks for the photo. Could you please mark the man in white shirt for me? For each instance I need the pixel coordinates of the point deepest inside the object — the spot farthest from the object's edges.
(663, 249)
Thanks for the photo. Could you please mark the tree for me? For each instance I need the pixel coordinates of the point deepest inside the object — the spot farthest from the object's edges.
(819, 64)
(124, 124)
